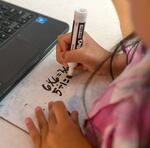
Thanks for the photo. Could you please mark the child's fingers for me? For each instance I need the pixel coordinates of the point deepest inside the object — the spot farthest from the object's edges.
(59, 54)
(60, 112)
(64, 42)
(51, 117)
(42, 122)
(80, 67)
(75, 56)
(65, 38)
(74, 117)
(34, 134)
(63, 45)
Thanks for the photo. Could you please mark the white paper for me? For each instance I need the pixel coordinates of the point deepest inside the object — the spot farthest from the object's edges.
(29, 93)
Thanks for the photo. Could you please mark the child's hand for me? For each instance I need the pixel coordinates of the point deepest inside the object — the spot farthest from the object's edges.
(89, 56)
(59, 131)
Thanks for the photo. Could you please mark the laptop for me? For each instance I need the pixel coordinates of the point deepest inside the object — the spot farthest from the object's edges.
(25, 38)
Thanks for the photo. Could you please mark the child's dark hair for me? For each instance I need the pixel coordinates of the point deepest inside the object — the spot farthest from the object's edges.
(131, 42)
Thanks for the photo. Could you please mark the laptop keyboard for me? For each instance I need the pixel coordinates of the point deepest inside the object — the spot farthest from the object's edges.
(12, 19)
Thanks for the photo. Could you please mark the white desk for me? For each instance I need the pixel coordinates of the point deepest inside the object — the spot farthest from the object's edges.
(102, 25)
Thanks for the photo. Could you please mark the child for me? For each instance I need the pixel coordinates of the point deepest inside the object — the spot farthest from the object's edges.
(120, 117)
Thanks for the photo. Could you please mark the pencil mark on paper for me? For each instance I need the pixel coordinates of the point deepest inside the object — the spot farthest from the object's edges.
(25, 105)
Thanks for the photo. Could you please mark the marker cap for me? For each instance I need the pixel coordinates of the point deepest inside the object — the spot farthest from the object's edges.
(80, 15)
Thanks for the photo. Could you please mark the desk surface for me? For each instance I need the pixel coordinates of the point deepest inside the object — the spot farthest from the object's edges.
(102, 25)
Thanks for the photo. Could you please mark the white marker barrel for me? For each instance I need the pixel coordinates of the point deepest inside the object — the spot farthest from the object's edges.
(80, 16)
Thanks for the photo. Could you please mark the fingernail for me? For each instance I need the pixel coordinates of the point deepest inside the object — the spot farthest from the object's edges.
(37, 109)
(27, 120)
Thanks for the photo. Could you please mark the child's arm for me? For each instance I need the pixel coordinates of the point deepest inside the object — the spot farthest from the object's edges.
(123, 11)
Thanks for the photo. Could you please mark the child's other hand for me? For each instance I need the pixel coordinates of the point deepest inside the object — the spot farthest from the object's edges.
(88, 57)
(60, 130)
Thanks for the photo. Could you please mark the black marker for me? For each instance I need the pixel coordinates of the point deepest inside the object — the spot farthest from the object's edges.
(80, 16)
